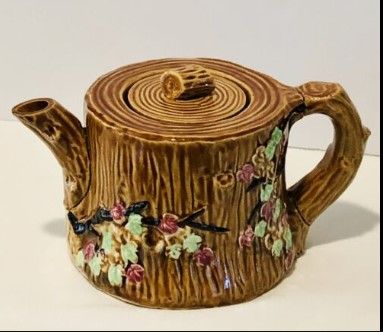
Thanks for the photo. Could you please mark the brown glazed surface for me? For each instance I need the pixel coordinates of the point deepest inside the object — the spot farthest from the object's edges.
(187, 155)
(63, 134)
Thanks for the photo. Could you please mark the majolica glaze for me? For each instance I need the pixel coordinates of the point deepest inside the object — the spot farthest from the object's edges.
(175, 189)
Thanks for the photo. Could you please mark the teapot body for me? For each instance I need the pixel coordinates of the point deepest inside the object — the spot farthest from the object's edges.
(237, 188)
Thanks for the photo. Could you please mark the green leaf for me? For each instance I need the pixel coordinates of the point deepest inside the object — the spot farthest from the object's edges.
(95, 265)
(107, 242)
(277, 248)
(115, 275)
(79, 259)
(129, 252)
(260, 229)
(277, 210)
(270, 150)
(276, 135)
(174, 250)
(134, 224)
(288, 237)
(266, 192)
(192, 243)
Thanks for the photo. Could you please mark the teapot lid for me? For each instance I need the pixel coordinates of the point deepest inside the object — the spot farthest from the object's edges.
(189, 99)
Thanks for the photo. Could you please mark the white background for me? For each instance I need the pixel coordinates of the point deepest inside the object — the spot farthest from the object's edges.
(58, 48)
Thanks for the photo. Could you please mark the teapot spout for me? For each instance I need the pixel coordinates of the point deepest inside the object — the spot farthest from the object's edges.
(65, 137)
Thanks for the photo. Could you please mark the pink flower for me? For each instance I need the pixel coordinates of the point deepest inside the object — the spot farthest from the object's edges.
(246, 238)
(118, 211)
(267, 210)
(245, 174)
(204, 256)
(289, 259)
(134, 273)
(89, 250)
(168, 223)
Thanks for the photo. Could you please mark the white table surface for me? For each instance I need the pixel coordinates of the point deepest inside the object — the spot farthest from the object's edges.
(335, 285)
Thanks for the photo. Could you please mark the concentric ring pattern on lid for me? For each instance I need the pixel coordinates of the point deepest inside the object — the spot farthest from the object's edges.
(131, 99)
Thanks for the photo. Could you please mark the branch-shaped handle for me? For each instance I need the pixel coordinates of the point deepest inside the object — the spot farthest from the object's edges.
(323, 185)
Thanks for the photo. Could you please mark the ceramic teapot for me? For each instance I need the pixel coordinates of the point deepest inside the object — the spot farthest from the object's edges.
(175, 190)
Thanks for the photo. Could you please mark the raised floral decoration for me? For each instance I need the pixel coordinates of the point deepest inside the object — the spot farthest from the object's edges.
(271, 223)
(169, 223)
(113, 241)
(204, 256)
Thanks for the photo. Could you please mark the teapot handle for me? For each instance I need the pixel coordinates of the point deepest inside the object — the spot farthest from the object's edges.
(310, 196)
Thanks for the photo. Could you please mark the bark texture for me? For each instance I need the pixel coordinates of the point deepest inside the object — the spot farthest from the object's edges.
(65, 137)
(181, 178)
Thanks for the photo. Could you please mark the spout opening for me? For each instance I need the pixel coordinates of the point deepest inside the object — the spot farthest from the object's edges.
(32, 106)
